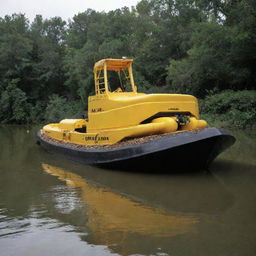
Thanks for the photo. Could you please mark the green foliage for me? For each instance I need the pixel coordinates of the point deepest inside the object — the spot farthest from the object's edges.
(13, 104)
(15, 47)
(208, 64)
(179, 46)
(233, 108)
(37, 112)
(221, 52)
(59, 108)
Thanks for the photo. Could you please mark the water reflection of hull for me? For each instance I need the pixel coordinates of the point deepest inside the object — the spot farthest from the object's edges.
(189, 193)
(200, 193)
(186, 150)
(113, 218)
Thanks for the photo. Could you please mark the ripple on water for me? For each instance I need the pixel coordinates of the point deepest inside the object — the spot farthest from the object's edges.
(10, 226)
(14, 226)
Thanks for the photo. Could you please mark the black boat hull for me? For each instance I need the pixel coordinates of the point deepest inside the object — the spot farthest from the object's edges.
(188, 150)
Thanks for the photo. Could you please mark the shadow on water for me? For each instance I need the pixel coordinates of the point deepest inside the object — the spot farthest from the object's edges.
(227, 167)
(156, 169)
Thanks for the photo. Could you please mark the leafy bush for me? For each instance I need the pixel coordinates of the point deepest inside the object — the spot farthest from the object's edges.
(13, 104)
(235, 108)
(59, 108)
(36, 114)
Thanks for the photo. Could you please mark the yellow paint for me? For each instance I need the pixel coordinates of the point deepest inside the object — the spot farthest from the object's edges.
(122, 112)
(195, 124)
(110, 213)
(72, 124)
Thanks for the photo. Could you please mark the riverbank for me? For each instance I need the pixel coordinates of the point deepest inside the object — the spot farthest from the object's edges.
(230, 109)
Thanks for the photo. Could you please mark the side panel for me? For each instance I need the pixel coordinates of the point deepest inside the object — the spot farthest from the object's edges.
(134, 114)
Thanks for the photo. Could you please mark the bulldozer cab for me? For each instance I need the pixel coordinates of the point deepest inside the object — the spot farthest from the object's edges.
(113, 76)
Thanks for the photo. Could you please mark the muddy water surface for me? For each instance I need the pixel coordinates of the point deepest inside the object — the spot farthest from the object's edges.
(52, 206)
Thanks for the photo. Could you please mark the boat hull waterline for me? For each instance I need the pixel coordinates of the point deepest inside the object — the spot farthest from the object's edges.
(183, 150)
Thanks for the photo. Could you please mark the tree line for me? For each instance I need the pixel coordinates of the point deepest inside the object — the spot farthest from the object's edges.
(200, 47)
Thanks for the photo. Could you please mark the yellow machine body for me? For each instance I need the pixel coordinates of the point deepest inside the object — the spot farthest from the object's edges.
(117, 111)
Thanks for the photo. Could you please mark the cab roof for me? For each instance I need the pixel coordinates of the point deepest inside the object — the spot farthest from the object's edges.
(113, 64)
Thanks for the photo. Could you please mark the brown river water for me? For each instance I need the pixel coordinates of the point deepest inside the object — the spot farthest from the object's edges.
(52, 206)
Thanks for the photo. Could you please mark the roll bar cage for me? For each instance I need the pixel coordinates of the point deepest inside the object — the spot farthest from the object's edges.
(101, 69)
